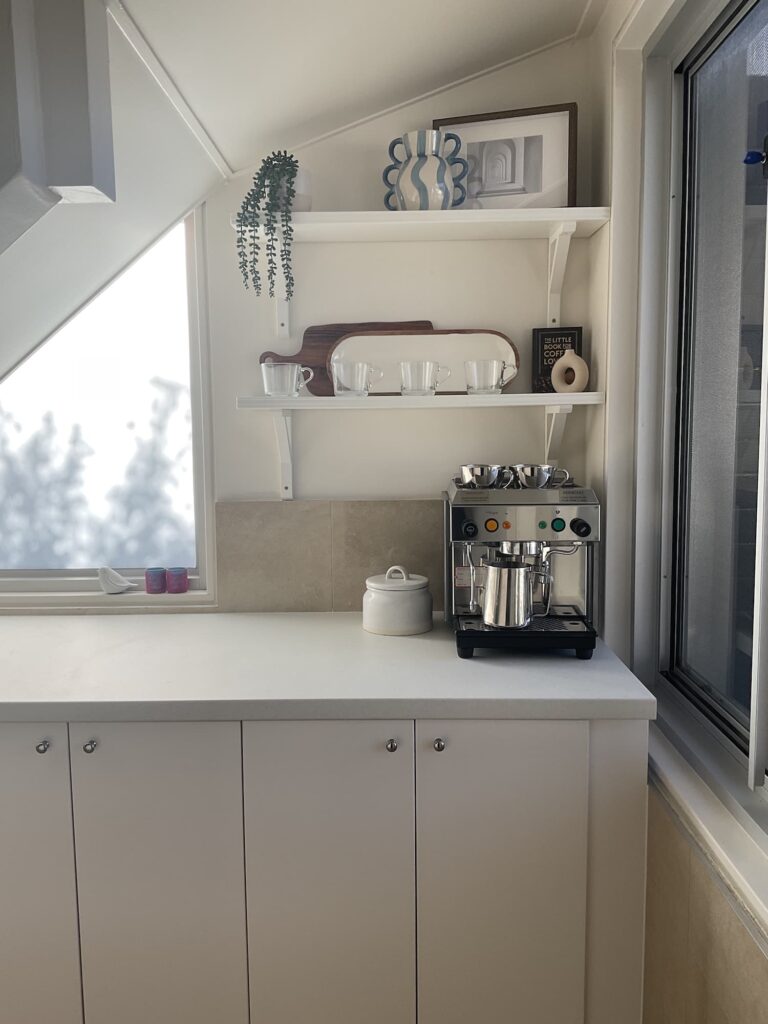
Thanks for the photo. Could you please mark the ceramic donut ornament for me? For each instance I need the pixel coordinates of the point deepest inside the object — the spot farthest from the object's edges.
(570, 373)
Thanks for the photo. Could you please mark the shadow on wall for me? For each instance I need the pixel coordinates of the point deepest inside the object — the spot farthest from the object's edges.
(45, 518)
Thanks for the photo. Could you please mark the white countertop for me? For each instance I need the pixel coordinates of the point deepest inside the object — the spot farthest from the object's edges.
(287, 666)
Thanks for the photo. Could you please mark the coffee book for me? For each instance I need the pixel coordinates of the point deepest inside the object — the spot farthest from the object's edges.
(549, 344)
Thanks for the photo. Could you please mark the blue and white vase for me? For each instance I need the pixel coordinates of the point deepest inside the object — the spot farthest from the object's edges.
(426, 177)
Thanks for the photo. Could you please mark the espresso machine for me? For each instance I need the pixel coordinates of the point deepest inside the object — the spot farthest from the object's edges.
(521, 548)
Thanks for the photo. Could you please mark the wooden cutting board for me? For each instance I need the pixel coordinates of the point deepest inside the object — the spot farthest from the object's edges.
(318, 341)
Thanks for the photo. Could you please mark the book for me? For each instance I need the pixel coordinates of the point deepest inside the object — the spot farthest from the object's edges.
(549, 343)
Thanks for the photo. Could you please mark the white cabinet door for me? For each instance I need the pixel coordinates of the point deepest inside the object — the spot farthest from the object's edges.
(159, 840)
(502, 858)
(39, 954)
(329, 815)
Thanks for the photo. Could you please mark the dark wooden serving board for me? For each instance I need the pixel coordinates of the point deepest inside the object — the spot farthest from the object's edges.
(320, 339)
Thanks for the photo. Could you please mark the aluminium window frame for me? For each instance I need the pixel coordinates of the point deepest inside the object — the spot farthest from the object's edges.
(737, 778)
(696, 690)
(79, 589)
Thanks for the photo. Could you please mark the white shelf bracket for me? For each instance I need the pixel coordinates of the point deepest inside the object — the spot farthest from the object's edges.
(283, 423)
(559, 244)
(555, 417)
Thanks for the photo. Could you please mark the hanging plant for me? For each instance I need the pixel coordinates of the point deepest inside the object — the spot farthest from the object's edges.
(267, 206)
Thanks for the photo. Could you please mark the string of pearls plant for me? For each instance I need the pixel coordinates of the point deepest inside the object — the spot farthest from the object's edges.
(267, 205)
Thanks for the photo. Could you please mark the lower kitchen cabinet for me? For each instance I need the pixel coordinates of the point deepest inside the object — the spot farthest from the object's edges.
(159, 840)
(330, 834)
(502, 815)
(39, 955)
(454, 872)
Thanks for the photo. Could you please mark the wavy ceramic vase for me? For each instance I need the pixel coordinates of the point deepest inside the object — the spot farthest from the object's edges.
(426, 178)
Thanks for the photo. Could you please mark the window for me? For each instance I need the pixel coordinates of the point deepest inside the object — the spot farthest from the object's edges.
(96, 434)
(719, 375)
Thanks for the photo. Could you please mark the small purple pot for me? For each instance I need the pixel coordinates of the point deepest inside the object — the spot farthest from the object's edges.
(178, 580)
(155, 580)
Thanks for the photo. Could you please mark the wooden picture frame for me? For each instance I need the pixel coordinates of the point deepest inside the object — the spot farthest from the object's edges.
(569, 109)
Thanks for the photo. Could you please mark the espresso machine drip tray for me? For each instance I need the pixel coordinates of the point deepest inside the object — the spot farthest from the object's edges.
(563, 629)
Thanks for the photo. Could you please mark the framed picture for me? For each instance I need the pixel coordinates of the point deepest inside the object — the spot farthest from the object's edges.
(518, 157)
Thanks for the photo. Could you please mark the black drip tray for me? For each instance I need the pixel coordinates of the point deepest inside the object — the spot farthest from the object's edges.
(564, 629)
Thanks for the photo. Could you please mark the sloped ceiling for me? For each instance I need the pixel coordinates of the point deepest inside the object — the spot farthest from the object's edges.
(75, 249)
(265, 73)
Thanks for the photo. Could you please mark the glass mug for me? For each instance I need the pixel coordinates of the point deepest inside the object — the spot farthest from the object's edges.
(285, 380)
(355, 380)
(422, 377)
(487, 376)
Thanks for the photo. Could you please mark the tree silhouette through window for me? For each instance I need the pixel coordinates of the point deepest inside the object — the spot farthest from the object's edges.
(95, 443)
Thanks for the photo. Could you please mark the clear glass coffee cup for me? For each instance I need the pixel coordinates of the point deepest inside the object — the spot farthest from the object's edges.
(488, 376)
(355, 380)
(422, 377)
(285, 380)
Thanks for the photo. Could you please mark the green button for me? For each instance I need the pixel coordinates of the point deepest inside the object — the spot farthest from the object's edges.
(558, 525)
(542, 524)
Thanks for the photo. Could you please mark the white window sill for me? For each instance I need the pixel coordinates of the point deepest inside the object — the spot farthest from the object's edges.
(727, 823)
(96, 602)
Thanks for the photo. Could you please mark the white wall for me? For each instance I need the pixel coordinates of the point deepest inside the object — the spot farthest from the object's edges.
(347, 167)
(59, 263)
(499, 285)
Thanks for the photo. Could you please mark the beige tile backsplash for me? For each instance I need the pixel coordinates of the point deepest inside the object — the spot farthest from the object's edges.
(702, 964)
(315, 555)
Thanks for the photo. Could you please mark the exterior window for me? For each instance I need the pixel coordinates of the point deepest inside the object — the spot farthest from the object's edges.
(721, 354)
(96, 433)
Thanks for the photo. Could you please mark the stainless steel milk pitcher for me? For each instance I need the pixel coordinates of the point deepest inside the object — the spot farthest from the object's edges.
(508, 592)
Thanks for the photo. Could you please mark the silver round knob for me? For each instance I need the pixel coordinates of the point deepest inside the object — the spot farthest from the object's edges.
(439, 745)
(90, 746)
(391, 746)
(43, 746)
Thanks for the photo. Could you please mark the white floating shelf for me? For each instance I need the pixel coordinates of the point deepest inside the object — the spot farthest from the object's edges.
(556, 409)
(445, 225)
(440, 401)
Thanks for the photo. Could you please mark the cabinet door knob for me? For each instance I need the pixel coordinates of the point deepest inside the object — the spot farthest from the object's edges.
(439, 745)
(391, 746)
(43, 746)
(90, 746)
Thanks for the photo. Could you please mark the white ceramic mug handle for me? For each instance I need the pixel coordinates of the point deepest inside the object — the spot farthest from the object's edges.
(442, 370)
(512, 367)
(390, 573)
(305, 380)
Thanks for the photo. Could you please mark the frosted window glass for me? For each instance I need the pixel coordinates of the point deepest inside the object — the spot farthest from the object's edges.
(724, 279)
(95, 430)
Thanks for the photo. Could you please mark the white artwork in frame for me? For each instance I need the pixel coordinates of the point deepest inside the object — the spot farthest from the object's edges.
(523, 158)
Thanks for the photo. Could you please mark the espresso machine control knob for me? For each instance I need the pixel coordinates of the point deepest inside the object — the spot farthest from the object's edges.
(469, 530)
(581, 527)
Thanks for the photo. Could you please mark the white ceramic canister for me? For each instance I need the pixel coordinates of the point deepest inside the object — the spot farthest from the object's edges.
(397, 603)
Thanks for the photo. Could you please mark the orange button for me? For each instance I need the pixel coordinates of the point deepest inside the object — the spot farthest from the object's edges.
(491, 525)
(506, 525)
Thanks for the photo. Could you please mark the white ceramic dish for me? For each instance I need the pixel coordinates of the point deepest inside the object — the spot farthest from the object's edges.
(387, 349)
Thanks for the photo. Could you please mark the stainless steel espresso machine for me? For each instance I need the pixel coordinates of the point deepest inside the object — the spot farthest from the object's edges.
(521, 551)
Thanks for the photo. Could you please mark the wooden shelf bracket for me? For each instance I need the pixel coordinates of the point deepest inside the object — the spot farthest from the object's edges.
(559, 244)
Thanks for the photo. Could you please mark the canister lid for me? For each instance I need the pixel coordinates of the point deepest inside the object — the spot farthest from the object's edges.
(397, 578)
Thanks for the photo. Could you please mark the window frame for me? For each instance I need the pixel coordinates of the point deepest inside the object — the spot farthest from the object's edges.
(31, 589)
(737, 776)
(693, 690)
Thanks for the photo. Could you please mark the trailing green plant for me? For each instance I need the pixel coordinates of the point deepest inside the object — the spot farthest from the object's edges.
(267, 206)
